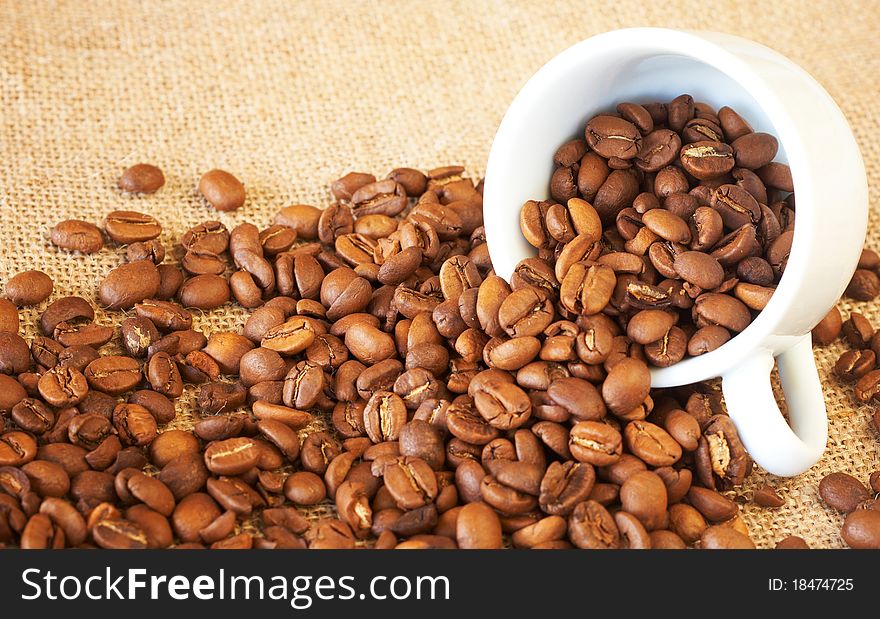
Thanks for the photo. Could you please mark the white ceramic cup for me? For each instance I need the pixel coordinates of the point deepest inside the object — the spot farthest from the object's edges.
(775, 96)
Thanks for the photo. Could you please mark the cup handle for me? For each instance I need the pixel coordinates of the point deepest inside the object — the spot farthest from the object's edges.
(781, 449)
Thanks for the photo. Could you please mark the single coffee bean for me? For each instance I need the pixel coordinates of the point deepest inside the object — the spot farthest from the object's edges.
(134, 423)
(610, 136)
(411, 482)
(131, 227)
(713, 505)
(232, 456)
(843, 492)
(706, 160)
(141, 178)
(861, 529)
(317, 451)
(128, 284)
(204, 292)
(113, 374)
(222, 190)
(829, 328)
(164, 376)
(77, 235)
(864, 286)
(651, 443)
(626, 386)
(643, 495)
(721, 537)
(564, 485)
(29, 288)
(478, 526)
(591, 526)
(62, 386)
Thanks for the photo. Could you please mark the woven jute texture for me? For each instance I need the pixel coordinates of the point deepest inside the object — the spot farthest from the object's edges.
(290, 95)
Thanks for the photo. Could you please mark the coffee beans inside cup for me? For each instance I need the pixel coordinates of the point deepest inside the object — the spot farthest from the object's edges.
(671, 221)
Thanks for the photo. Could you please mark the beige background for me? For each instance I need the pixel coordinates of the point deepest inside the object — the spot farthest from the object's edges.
(290, 95)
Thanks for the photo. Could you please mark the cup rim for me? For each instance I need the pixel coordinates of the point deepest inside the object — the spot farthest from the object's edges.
(690, 44)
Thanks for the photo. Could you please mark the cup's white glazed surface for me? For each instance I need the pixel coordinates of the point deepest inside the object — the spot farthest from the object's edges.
(775, 96)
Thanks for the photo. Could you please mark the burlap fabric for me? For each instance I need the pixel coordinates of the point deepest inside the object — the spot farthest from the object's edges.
(290, 95)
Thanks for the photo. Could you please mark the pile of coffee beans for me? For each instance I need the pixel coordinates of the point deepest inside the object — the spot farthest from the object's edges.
(670, 222)
(388, 389)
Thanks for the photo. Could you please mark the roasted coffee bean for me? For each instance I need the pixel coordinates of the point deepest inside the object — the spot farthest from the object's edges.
(644, 496)
(591, 526)
(411, 482)
(722, 537)
(610, 136)
(713, 505)
(77, 235)
(131, 227)
(62, 386)
(204, 292)
(843, 492)
(651, 443)
(317, 451)
(626, 386)
(861, 529)
(384, 416)
(141, 178)
(17, 448)
(708, 159)
(128, 284)
(164, 376)
(29, 288)
(138, 334)
(722, 459)
(595, 442)
(222, 190)
(113, 374)
(564, 485)
(232, 456)
(33, 416)
(134, 423)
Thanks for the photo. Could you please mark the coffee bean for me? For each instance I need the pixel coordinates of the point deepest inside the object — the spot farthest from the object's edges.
(754, 150)
(613, 137)
(130, 227)
(63, 386)
(591, 526)
(317, 451)
(29, 288)
(222, 190)
(843, 492)
(129, 284)
(134, 423)
(644, 496)
(411, 482)
(113, 374)
(141, 178)
(232, 456)
(204, 292)
(77, 235)
(164, 376)
(721, 537)
(714, 506)
(564, 485)
(707, 159)
(626, 386)
(864, 286)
